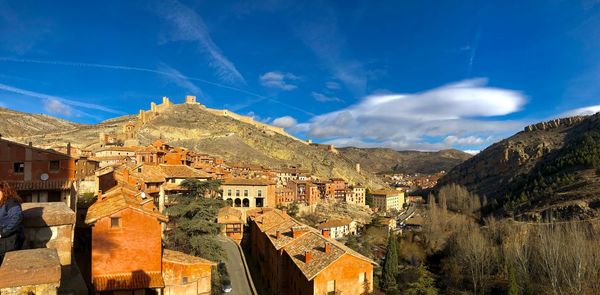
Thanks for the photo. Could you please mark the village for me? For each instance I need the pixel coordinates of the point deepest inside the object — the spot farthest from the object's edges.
(106, 210)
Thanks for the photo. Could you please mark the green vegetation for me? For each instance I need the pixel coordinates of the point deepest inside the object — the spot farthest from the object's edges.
(546, 180)
(424, 285)
(390, 265)
(192, 220)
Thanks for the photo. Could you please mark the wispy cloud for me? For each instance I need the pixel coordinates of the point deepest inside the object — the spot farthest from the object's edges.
(320, 97)
(158, 72)
(181, 80)
(187, 25)
(279, 80)
(331, 85)
(56, 107)
(50, 99)
(457, 114)
(584, 111)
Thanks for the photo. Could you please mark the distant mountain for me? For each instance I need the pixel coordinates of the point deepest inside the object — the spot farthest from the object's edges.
(549, 169)
(216, 132)
(377, 160)
(13, 123)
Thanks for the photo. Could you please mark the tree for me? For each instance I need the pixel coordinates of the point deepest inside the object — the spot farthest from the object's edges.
(390, 264)
(292, 209)
(192, 221)
(424, 285)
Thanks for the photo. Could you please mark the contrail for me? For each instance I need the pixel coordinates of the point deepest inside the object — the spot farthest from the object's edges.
(473, 52)
(153, 71)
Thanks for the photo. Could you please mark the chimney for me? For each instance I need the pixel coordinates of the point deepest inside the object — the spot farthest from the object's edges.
(277, 234)
(325, 232)
(30, 144)
(298, 230)
(69, 148)
(327, 247)
(100, 197)
(307, 256)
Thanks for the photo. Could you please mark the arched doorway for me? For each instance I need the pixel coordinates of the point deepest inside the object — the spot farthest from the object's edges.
(246, 202)
(238, 203)
(229, 202)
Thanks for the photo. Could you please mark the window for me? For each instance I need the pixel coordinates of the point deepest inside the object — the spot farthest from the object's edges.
(237, 192)
(361, 277)
(245, 193)
(19, 167)
(331, 287)
(54, 165)
(259, 193)
(115, 222)
(229, 192)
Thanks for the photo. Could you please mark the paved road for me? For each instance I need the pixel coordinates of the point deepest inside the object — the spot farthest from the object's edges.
(406, 214)
(235, 267)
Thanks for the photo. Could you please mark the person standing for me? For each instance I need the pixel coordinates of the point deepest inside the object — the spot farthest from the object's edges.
(12, 231)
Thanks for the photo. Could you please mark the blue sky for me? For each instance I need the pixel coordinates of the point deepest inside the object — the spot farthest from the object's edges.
(424, 75)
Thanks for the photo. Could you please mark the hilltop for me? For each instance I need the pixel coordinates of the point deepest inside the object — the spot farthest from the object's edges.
(384, 160)
(222, 133)
(550, 169)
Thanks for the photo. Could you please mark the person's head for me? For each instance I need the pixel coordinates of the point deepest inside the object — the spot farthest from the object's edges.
(6, 193)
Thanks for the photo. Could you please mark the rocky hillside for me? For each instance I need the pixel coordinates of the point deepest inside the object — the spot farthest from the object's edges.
(377, 160)
(195, 128)
(549, 169)
(14, 123)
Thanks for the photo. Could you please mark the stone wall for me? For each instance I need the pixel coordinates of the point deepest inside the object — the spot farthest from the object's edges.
(35, 271)
(49, 225)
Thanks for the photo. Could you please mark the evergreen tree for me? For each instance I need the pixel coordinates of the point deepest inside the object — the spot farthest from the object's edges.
(192, 220)
(390, 264)
(424, 285)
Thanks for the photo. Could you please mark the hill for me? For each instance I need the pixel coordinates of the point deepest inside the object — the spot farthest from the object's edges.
(378, 160)
(13, 123)
(548, 170)
(192, 125)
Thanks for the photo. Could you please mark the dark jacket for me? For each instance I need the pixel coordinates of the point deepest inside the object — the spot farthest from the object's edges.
(12, 232)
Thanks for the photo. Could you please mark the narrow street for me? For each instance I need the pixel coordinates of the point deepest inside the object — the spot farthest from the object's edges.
(235, 267)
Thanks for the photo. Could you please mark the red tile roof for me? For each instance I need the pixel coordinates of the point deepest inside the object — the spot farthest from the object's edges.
(244, 181)
(38, 185)
(119, 198)
(182, 258)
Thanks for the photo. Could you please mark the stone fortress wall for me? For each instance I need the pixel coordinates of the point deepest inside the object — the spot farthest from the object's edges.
(155, 109)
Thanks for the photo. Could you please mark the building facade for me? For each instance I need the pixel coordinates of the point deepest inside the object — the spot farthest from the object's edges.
(248, 193)
(388, 199)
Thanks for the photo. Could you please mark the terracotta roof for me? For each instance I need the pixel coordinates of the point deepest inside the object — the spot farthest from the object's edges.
(285, 233)
(39, 185)
(116, 199)
(182, 258)
(50, 151)
(388, 192)
(334, 222)
(120, 149)
(183, 171)
(150, 173)
(229, 215)
(270, 221)
(244, 181)
(315, 243)
(124, 281)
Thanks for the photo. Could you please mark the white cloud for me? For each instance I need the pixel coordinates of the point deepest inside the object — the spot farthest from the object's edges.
(333, 85)
(472, 152)
(320, 97)
(431, 120)
(285, 122)
(279, 80)
(585, 111)
(187, 25)
(54, 106)
(451, 140)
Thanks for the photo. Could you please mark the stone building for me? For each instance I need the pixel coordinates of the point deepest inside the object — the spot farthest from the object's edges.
(388, 199)
(233, 223)
(248, 193)
(339, 227)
